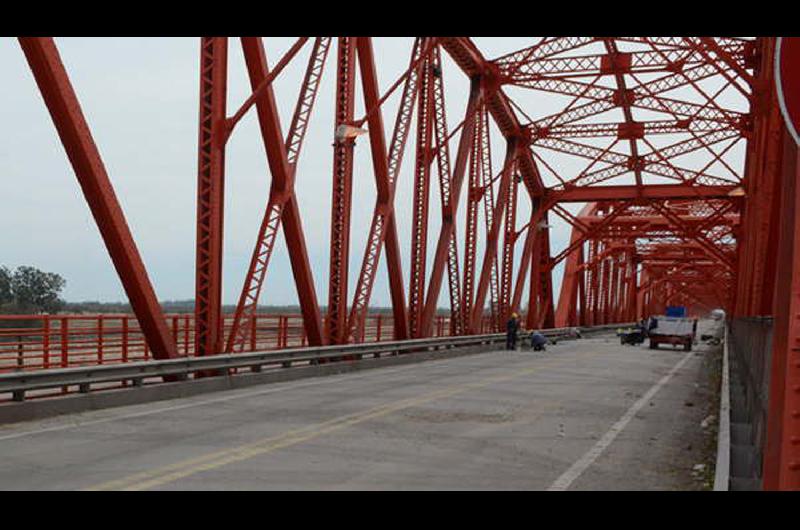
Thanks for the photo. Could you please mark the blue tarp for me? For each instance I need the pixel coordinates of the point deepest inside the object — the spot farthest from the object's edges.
(676, 311)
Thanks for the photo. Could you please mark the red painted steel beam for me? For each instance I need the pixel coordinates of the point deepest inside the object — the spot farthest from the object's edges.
(480, 191)
(377, 231)
(541, 312)
(210, 195)
(490, 252)
(419, 219)
(469, 58)
(653, 222)
(547, 316)
(283, 181)
(525, 259)
(566, 312)
(715, 250)
(447, 229)
(509, 242)
(593, 231)
(651, 191)
(782, 446)
(343, 147)
(384, 207)
(757, 248)
(475, 193)
(52, 79)
(538, 212)
(448, 209)
(245, 315)
(619, 70)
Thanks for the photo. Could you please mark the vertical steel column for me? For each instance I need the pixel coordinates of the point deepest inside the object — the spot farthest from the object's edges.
(614, 287)
(547, 314)
(538, 211)
(756, 263)
(641, 295)
(343, 147)
(509, 240)
(589, 280)
(475, 191)
(447, 230)
(488, 212)
(541, 312)
(565, 312)
(631, 314)
(490, 253)
(581, 316)
(448, 207)
(605, 286)
(65, 110)
(419, 218)
(480, 190)
(782, 449)
(534, 288)
(210, 195)
(597, 274)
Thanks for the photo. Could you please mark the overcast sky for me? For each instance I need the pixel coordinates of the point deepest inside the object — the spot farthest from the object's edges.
(140, 97)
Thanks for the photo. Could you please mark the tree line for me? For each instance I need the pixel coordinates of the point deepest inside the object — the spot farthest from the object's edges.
(28, 290)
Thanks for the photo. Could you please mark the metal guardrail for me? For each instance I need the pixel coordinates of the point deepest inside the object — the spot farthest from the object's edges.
(179, 369)
(43, 342)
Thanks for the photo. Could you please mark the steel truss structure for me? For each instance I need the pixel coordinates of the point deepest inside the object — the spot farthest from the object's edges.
(667, 157)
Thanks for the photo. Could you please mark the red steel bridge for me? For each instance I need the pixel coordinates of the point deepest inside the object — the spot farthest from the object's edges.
(673, 150)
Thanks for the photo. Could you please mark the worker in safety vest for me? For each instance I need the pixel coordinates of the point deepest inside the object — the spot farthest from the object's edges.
(512, 326)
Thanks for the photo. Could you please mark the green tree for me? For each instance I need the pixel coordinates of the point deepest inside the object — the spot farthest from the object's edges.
(36, 291)
(6, 295)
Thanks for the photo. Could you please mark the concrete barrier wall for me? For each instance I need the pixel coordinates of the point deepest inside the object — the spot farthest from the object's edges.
(750, 356)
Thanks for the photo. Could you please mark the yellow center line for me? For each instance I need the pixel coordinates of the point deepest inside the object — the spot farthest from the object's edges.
(172, 472)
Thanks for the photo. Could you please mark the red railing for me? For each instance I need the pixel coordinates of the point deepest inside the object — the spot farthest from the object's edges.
(37, 342)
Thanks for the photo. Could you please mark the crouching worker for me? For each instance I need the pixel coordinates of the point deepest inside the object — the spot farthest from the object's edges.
(538, 341)
(511, 332)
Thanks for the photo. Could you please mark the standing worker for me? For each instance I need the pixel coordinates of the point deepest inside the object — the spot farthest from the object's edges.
(511, 332)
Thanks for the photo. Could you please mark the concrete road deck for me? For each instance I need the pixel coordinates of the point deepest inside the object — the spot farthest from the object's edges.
(584, 415)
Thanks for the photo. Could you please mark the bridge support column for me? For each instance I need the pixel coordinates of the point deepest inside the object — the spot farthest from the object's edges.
(782, 451)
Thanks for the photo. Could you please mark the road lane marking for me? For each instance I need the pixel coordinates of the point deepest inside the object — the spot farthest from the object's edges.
(185, 468)
(316, 381)
(563, 482)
